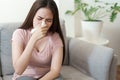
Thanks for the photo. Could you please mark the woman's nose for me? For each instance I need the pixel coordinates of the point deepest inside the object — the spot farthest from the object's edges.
(43, 24)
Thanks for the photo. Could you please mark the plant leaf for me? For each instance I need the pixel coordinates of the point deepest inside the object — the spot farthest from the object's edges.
(113, 16)
(68, 12)
(97, 1)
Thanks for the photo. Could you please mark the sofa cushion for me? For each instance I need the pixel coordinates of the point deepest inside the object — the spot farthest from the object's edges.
(0, 78)
(67, 72)
(70, 73)
(62, 23)
(7, 77)
(5, 42)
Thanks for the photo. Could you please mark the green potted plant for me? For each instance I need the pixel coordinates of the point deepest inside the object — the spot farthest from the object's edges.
(96, 11)
(93, 15)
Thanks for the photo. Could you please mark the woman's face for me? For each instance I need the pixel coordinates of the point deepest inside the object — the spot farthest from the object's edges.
(43, 16)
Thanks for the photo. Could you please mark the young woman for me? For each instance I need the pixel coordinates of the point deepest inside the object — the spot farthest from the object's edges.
(38, 45)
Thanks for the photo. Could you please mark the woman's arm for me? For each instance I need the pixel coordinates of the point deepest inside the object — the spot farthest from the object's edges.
(55, 65)
(21, 56)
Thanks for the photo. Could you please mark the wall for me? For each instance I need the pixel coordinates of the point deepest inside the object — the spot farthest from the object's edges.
(14, 10)
(69, 20)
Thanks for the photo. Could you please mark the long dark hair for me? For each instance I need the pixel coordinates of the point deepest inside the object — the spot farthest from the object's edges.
(55, 27)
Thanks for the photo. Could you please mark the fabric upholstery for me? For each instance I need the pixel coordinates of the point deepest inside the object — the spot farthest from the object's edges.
(113, 68)
(6, 60)
(7, 77)
(71, 73)
(0, 53)
(65, 39)
(95, 60)
(0, 78)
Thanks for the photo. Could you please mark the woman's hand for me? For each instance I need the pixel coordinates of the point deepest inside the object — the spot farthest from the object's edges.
(39, 32)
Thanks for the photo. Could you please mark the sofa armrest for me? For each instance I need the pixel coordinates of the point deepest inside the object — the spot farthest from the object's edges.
(91, 59)
(113, 68)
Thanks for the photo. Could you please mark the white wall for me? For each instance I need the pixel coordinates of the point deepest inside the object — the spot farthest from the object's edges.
(14, 10)
(64, 5)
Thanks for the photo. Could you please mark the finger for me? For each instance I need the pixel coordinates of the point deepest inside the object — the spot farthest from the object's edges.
(44, 30)
(43, 35)
(44, 27)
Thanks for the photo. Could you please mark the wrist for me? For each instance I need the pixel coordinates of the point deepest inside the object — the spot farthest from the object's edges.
(32, 41)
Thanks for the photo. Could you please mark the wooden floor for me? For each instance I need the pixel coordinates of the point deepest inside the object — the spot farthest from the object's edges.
(118, 73)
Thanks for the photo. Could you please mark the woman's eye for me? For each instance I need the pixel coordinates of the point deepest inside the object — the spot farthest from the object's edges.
(49, 20)
(39, 18)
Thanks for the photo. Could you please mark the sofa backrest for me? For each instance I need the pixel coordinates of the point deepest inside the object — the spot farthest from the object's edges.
(6, 31)
(62, 23)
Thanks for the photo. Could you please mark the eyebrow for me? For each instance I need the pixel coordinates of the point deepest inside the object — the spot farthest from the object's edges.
(40, 17)
(46, 19)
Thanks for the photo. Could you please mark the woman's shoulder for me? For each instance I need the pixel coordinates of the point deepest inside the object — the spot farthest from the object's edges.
(20, 31)
(19, 34)
(55, 35)
(56, 40)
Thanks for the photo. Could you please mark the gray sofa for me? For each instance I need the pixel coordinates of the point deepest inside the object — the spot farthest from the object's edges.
(83, 61)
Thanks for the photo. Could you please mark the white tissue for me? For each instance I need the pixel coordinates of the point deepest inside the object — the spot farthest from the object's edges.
(42, 24)
(33, 30)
